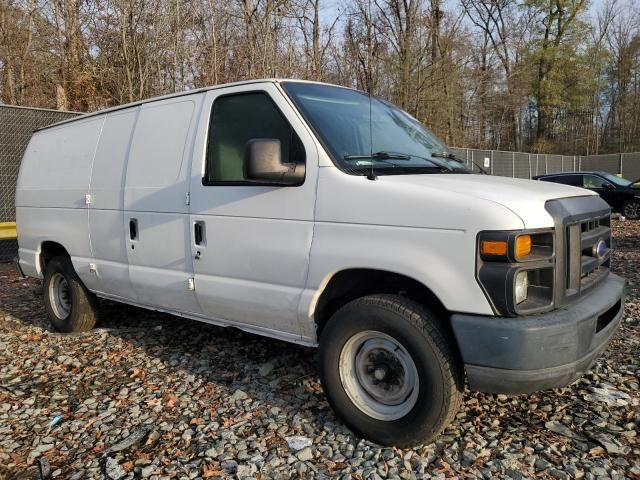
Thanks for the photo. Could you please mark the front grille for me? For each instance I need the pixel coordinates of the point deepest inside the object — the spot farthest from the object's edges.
(580, 223)
(586, 264)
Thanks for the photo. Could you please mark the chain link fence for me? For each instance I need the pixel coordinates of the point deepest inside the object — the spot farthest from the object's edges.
(18, 123)
(16, 127)
(528, 165)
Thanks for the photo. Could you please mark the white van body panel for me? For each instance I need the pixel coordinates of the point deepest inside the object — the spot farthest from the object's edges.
(404, 228)
(106, 214)
(156, 186)
(268, 251)
(51, 192)
(56, 168)
(525, 198)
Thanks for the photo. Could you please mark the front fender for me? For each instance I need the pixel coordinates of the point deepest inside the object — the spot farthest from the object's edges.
(439, 259)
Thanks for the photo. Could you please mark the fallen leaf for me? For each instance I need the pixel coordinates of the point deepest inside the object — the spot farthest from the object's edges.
(229, 422)
(444, 467)
(137, 373)
(332, 468)
(485, 452)
(98, 448)
(272, 441)
(209, 471)
(171, 401)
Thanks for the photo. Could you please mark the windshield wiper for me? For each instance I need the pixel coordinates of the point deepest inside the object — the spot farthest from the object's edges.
(451, 156)
(385, 155)
(382, 155)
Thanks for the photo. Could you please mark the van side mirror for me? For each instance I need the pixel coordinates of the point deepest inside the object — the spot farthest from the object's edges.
(263, 163)
(608, 186)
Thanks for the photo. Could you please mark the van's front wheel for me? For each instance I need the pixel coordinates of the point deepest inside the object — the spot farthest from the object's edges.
(389, 370)
(69, 305)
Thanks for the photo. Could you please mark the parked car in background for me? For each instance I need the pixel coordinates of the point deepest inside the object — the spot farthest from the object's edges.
(621, 194)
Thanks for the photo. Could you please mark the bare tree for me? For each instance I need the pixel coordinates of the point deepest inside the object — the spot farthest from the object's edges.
(521, 74)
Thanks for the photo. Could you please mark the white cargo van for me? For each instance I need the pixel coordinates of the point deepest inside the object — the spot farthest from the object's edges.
(318, 215)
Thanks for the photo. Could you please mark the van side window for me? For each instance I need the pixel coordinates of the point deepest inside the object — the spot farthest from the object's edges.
(236, 119)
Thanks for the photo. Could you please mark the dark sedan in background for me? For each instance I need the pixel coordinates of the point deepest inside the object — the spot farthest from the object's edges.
(621, 194)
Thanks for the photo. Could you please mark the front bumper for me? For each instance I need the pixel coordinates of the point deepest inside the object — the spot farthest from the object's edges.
(538, 352)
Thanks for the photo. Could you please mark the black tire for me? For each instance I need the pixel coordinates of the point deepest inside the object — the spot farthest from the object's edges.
(440, 375)
(79, 311)
(631, 209)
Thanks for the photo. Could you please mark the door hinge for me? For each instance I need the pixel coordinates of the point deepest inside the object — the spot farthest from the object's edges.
(87, 199)
(187, 198)
(191, 284)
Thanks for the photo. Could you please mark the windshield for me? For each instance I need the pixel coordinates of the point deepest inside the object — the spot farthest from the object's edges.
(362, 133)
(621, 182)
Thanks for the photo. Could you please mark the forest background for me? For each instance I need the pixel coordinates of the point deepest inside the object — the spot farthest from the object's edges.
(556, 76)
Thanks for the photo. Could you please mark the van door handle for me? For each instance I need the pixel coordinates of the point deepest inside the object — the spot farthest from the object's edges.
(133, 229)
(199, 233)
(199, 237)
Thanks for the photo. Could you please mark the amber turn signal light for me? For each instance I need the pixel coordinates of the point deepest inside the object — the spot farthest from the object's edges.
(523, 246)
(493, 247)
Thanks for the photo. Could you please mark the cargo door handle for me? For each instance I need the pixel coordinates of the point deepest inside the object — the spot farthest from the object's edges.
(133, 229)
(199, 233)
(199, 237)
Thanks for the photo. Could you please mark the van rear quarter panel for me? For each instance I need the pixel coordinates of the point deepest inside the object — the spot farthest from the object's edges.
(50, 196)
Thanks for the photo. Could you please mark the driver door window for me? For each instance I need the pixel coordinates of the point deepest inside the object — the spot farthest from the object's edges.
(236, 119)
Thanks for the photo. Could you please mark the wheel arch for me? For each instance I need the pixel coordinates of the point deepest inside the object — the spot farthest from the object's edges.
(346, 285)
(49, 250)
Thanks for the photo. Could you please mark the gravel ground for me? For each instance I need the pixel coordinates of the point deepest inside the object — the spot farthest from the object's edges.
(148, 395)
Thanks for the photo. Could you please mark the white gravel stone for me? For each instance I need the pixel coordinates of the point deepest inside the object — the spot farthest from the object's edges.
(305, 454)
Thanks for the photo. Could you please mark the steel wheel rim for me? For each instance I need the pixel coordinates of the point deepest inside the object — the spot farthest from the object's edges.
(632, 210)
(60, 296)
(379, 375)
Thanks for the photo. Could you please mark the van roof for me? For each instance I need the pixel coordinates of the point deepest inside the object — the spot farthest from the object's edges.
(180, 94)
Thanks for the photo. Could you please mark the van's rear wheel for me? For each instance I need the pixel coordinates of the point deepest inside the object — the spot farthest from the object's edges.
(70, 306)
(389, 370)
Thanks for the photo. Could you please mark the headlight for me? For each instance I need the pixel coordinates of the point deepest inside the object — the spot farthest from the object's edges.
(522, 286)
(516, 270)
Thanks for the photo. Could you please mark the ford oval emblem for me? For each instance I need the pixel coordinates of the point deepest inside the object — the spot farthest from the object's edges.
(600, 249)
